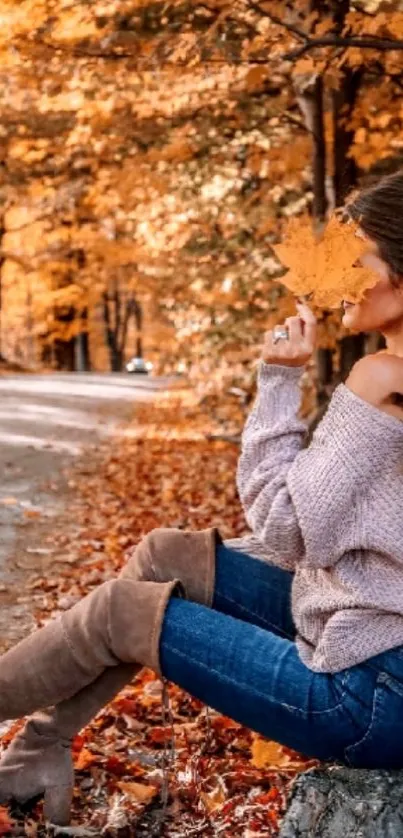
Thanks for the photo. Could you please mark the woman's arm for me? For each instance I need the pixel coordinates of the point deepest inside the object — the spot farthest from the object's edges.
(272, 438)
(308, 504)
(305, 504)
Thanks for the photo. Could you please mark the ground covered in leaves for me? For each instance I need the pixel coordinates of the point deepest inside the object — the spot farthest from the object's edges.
(156, 762)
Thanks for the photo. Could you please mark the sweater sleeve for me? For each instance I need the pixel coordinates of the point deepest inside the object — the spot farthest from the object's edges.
(304, 504)
(272, 438)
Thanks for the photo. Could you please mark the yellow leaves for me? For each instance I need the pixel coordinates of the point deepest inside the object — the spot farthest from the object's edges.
(384, 119)
(255, 78)
(184, 46)
(267, 754)
(360, 136)
(75, 24)
(138, 792)
(213, 799)
(71, 295)
(324, 27)
(179, 150)
(325, 266)
(394, 24)
(29, 150)
(371, 146)
(84, 760)
(304, 66)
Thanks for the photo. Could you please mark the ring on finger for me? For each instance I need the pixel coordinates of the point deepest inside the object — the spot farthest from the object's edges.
(280, 333)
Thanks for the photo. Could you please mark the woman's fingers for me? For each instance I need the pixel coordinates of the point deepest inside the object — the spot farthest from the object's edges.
(295, 328)
(298, 348)
(310, 323)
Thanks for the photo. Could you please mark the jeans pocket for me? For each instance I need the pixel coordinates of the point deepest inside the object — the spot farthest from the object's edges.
(381, 745)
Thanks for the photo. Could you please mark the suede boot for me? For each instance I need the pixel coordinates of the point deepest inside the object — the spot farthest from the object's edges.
(166, 554)
(119, 621)
(39, 758)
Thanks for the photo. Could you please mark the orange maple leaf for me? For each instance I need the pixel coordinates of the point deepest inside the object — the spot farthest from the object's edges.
(328, 267)
(84, 760)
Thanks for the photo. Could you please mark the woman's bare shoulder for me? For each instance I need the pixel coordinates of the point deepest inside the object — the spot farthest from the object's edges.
(392, 365)
(378, 379)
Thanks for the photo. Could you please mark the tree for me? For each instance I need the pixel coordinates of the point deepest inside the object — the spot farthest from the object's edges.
(170, 143)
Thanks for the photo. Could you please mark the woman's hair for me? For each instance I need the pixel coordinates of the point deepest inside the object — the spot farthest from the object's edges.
(378, 211)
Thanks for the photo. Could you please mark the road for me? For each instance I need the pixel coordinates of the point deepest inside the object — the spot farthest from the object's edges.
(45, 423)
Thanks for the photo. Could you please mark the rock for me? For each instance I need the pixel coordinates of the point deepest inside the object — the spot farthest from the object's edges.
(338, 802)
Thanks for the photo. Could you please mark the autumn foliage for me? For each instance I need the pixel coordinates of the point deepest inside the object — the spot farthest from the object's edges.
(156, 761)
(153, 154)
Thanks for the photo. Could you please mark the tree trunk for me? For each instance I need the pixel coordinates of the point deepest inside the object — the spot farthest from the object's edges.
(82, 353)
(2, 231)
(118, 309)
(344, 101)
(111, 326)
(116, 359)
(82, 347)
(64, 354)
(138, 316)
(319, 154)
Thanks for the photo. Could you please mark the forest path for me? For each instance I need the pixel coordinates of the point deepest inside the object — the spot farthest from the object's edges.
(46, 422)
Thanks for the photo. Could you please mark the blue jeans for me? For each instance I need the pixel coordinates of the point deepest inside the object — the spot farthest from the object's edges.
(240, 658)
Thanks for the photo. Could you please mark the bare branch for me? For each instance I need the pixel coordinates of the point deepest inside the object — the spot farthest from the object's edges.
(295, 30)
(360, 41)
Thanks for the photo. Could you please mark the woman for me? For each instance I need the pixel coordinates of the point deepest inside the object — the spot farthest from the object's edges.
(305, 647)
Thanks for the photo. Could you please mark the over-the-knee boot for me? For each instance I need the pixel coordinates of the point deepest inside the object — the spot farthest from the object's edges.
(119, 621)
(39, 758)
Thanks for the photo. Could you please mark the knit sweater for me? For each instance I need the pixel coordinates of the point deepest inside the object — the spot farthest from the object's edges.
(331, 512)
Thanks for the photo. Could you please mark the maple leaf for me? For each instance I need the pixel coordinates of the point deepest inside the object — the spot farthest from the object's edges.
(326, 267)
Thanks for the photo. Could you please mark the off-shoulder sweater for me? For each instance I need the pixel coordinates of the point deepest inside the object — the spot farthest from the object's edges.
(331, 512)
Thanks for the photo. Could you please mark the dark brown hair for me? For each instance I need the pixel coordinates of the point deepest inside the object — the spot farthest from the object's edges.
(378, 211)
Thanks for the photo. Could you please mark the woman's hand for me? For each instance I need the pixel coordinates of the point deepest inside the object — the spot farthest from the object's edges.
(375, 378)
(302, 340)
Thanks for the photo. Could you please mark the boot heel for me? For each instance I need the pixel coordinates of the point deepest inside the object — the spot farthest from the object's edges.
(57, 804)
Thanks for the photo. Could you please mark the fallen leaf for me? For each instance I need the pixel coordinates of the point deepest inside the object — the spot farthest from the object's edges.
(84, 760)
(213, 799)
(138, 791)
(116, 766)
(267, 754)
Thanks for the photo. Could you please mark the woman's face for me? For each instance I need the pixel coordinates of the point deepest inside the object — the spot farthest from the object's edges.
(382, 306)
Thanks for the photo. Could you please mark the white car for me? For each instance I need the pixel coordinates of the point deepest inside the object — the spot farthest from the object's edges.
(139, 366)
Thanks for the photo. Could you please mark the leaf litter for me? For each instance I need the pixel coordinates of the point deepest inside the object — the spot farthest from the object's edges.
(156, 761)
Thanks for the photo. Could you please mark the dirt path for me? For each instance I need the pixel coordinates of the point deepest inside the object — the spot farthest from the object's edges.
(45, 423)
